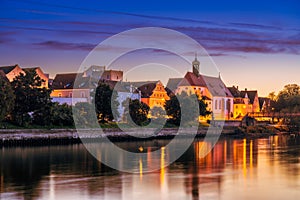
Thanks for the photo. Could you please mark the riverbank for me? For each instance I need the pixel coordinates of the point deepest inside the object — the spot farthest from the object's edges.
(70, 136)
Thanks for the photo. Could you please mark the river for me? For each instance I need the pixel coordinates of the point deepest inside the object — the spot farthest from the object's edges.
(234, 169)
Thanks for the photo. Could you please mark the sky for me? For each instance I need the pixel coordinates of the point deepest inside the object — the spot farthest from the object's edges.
(253, 44)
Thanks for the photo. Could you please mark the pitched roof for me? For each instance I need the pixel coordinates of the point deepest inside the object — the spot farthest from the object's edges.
(216, 86)
(173, 83)
(119, 86)
(3, 75)
(190, 79)
(73, 80)
(266, 100)
(251, 95)
(146, 87)
(234, 91)
(7, 69)
(30, 68)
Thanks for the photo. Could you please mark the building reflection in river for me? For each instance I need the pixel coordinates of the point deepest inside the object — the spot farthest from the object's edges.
(71, 172)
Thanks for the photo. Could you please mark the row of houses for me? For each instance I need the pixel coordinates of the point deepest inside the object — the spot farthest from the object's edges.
(225, 103)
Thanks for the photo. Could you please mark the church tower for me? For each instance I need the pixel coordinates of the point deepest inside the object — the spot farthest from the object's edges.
(196, 65)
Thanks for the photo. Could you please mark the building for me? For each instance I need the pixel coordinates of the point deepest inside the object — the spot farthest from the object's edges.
(72, 88)
(244, 102)
(3, 75)
(11, 71)
(101, 73)
(15, 70)
(124, 90)
(266, 104)
(241, 104)
(153, 93)
(221, 98)
(41, 74)
(66, 90)
(211, 90)
(253, 99)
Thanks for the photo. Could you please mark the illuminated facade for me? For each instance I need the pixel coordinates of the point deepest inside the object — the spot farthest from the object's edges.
(41, 74)
(211, 90)
(244, 102)
(64, 91)
(15, 70)
(153, 93)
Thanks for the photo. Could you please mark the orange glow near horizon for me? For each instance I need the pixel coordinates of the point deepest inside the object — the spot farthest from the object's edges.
(162, 167)
(141, 168)
(245, 157)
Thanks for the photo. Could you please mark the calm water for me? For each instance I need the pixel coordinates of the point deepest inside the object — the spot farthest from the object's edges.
(235, 169)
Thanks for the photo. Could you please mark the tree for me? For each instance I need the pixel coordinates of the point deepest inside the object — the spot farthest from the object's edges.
(173, 110)
(105, 103)
(54, 114)
(188, 102)
(137, 111)
(7, 98)
(30, 97)
(272, 96)
(61, 115)
(288, 99)
(85, 115)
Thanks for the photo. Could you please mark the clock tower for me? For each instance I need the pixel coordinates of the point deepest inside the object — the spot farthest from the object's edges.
(196, 65)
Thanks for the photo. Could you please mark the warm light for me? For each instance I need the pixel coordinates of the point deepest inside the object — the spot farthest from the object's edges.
(251, 154)
(162, 166)
(141, 149)
(141, 168)
(245, 158)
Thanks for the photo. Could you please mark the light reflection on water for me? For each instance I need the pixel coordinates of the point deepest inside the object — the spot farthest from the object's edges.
(234, 169)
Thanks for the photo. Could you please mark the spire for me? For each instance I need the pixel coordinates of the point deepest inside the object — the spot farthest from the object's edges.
(196, 66)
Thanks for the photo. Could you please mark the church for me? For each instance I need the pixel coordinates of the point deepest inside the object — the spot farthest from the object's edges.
(211, 90)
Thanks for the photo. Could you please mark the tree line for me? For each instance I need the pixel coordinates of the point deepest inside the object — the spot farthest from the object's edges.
(288, 101)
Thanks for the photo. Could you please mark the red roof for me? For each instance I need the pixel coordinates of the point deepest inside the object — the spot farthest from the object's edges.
(190, 79)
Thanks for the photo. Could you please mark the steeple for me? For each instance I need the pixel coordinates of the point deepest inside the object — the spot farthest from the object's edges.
(196, 65)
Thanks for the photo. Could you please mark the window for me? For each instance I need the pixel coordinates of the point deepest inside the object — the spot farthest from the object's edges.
(216, 104)
(59, 94)
(82, 95)
(220, 104)
(70, 94)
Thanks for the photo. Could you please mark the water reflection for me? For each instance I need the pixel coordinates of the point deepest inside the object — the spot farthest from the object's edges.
(234, 169)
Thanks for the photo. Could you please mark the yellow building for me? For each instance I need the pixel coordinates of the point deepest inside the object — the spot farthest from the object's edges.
(153, 93)
(244, 102)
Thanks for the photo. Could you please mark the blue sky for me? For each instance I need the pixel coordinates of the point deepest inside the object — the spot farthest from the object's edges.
(255, 44)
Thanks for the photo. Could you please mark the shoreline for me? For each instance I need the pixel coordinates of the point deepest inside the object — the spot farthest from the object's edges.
(17, 137)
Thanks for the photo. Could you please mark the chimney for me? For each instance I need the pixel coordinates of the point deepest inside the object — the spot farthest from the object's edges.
(245, 89)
